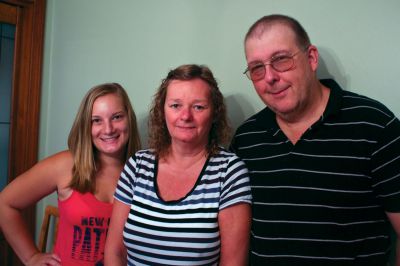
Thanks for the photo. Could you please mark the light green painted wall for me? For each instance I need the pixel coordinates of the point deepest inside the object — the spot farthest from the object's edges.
(135, 43)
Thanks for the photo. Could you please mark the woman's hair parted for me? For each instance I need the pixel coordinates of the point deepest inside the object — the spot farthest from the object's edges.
(159, 137)
(80, 138)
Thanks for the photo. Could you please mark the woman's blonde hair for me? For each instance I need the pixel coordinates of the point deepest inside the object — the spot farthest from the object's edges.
(80, 138)
(159, 137)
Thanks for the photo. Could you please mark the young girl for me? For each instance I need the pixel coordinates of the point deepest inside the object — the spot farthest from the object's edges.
(103, 135)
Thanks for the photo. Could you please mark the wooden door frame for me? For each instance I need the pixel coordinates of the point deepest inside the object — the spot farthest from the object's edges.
(28, 58)
(26, 87)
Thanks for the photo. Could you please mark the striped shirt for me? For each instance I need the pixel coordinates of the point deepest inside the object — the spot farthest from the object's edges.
(185, 231)
(322, 201)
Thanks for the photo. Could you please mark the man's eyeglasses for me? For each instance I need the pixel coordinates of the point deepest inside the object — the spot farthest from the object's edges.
(281, 63)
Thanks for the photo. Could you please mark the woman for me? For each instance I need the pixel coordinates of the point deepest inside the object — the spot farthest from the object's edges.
(186, 200)
(104, 134)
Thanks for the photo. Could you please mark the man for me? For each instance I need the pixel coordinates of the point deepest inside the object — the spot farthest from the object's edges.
(324, 162)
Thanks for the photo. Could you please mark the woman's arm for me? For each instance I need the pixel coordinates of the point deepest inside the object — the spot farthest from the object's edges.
(115, 251)
(25, 190)
(234, 225)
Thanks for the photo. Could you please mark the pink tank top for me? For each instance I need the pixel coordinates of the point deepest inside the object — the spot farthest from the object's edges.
(82, 230)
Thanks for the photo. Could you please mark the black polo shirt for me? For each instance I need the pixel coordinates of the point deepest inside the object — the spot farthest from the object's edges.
(322, 201)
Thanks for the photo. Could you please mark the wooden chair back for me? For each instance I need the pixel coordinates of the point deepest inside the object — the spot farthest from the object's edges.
(50, 220)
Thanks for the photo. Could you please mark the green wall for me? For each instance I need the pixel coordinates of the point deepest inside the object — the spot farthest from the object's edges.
(136, 42)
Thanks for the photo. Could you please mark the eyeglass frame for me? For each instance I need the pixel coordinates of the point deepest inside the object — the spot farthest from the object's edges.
(270, 62)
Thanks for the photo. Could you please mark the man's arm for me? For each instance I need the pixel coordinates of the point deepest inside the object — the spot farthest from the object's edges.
(394, 218)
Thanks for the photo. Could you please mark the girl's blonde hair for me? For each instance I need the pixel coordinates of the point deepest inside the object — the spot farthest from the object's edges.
(80, 138)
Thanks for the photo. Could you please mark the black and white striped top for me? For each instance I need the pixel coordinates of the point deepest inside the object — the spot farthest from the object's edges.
(322, 201)
(182, 232)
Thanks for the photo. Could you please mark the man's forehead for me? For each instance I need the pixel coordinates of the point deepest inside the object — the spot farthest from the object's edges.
(273, 32)
(263, 29)
(273, 41)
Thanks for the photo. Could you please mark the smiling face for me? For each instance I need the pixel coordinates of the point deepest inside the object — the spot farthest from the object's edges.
(188, 112)
(283, 92)
(110, 130)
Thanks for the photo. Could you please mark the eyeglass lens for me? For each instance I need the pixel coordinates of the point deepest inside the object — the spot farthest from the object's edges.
(280, 64)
